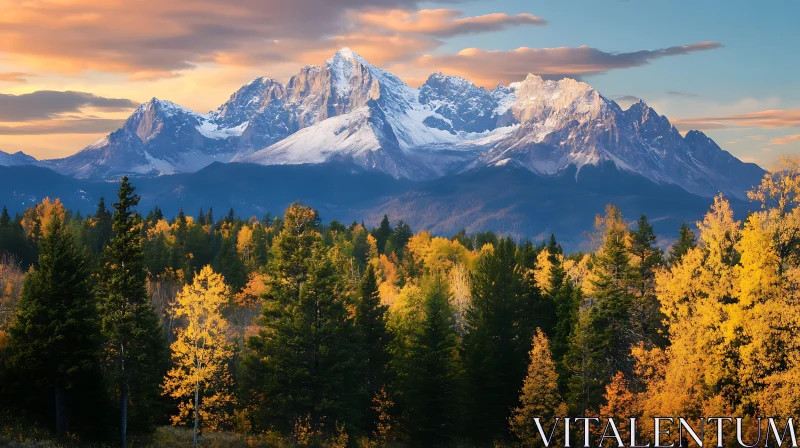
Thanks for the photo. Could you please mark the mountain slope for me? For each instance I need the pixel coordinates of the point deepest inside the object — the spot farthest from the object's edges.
(508, 199)
(17, 158)
(349, 110)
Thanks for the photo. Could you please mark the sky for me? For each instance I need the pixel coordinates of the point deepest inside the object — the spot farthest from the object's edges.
(71, 71)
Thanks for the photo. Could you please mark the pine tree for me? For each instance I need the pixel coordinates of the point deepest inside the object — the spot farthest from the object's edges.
(5, 219)
(135, 347)
(602, 347)
(686, 241)
(540, 397)
(383, 233)
(370, 321)
(433, 384)
(102, 227)
(302, 361)
(55, 340)
(496, 342)
(647, 258)
(201, 353)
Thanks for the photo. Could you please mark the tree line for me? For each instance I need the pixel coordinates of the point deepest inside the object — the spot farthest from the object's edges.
(299, 333)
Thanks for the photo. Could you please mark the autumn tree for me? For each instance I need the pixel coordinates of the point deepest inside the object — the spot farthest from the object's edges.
(540, 396)
(201, 352)
(135, 349)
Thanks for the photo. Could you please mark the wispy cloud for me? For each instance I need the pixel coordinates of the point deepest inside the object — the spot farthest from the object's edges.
(16, 77)
(627, 98)
(443, 22)
(685, 94)
(488, 66)
(785, 140)
(763, 119)
(46, 104)
(69, 125)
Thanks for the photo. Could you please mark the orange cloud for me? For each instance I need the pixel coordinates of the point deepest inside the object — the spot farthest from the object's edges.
(487, 67)
(18, 77)
(785, 140)
(764, 119)
(154, 38)
(443, 22)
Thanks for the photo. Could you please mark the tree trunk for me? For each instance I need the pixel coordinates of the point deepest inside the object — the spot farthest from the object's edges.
(61, 411)
(123, 424)
(196, 410)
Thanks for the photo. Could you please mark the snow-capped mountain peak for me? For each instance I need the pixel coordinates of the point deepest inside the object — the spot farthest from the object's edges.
(349, 109)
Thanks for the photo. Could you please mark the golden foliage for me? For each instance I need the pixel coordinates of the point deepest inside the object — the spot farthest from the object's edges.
(36, 219)
(733, 313)
(540, 397)
(201, 353)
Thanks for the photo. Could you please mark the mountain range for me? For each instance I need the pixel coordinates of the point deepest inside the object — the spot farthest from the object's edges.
(351, 116)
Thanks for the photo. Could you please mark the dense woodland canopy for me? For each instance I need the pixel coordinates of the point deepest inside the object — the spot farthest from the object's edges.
(285, 331)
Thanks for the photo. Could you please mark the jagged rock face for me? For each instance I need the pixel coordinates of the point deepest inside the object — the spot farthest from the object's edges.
(347, 109)
(463, 107)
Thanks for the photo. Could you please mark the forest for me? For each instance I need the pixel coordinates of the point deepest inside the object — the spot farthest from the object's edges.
(125, 328)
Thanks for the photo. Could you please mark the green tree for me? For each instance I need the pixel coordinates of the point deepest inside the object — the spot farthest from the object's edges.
(383, 233)
(601, 345)
(370, 321)
(301, 363)
(135, 346)
(55, 339)
(647, 257)
(686, 241)
(497, 341)
(101, 227)
(433, 383)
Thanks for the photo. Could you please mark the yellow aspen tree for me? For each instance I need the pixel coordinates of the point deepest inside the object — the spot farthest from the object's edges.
(200, 355)
(539, 397)
(244, 244)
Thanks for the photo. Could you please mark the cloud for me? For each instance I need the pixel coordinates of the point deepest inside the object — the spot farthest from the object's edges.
(443, 22)
(46, 104)
(489, 66)
(785, 140)
(151, 39)
(18, 77)
(765, 119)
(686, 94)
(627, 98)
(70, 125)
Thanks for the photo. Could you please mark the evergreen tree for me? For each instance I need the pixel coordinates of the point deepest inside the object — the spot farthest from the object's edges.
(5, 219)
(135, 346)
(370, 321)
(496, 342)
(201, 217)
(383, 233)
(433, 383)
(399, 238)
(603, 346)
(55, 340)
(302, 361)
(230, 265)
(101, 230)
(13, 240)
(686, 241)
(646, 314)
(210, 217)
